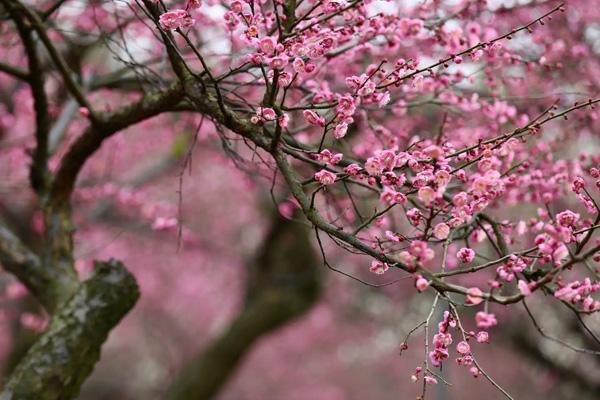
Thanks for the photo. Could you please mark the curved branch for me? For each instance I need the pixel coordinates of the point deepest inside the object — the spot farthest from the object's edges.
(43, 283)
(91, 140)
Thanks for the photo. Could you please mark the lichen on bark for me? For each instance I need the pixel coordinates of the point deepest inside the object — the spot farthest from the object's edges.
(55, 367)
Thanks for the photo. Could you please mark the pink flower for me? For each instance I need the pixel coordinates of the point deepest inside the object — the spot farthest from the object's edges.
(346, 105)
(193, 4)
(325, 177)
(578, 184)
(567, 218)
(387, 196)
(441, 231)
(340, 130)
(237, 6)
(298, 65)
(283, 120)
(414, 216)
(176, 19)
(434, 151)
(392, 236)
(367, 89)
(254, 58)
(524, 288)
(284, 79)
(460, 199)
(313, 118)
(482, 337)
(373, 166)
(442, 178)
(267, 45)
(84, 111)
(352, 169)
(589, 304)
(474, 296)
(400, 198)
(420, 250)
(278, 62)
(426, 195)
(485, 320)
(378, 267)
(421, 284)
(267, 114)
(463, 347)
(286, 209)
(383, 99)
(328, 157)
(465, 255)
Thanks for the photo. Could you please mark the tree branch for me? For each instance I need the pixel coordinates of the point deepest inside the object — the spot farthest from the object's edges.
(55, 367)
(91, 140)
(42, 282)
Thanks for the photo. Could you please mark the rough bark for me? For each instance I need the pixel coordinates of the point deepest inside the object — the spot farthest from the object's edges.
(55, 367)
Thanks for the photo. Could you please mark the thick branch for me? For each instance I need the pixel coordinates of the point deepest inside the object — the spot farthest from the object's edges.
(42, 282)
(58, 363)
(150, 105)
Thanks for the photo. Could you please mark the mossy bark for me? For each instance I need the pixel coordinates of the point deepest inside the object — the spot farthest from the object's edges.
(56, 366)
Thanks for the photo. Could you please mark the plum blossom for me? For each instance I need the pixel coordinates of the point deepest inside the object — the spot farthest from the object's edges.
(465, 255)
(482, 337)
(426, 195)
(353, 169)
(463, 347)
(474, 296)
(485, 320)
(176, 19)
(390, 196)
(313, 118)
(194, 4)
(325, 177)
(567, 218)
(378, 267)
(441, 231)
(374, 166)
(346, 105)
(340, 130)
(524, 288)
(328, 157)
(267, 45)
(441, 340)
(421, 284)
(417, 255)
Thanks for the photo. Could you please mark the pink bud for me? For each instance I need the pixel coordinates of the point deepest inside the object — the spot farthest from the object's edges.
(421, 284)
